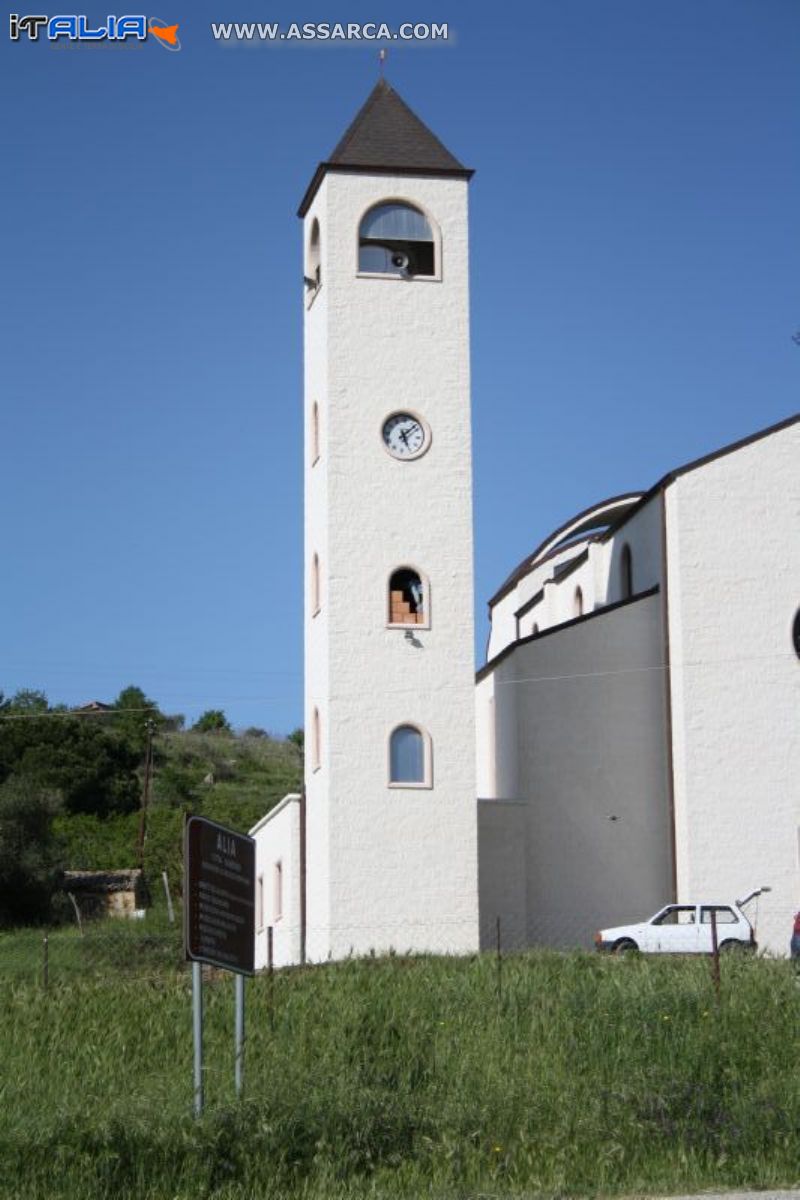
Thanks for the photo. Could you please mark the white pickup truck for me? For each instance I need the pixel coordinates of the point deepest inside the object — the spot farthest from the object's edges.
(685, 929)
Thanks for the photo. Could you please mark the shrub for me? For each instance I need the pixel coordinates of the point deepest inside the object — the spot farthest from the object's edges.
(212, 721)
(91, 768)
(30, 868)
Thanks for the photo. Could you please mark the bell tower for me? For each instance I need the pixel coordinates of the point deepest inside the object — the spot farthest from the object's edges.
(391, 810)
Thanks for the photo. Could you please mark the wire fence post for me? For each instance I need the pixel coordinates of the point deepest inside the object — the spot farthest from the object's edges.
(45, 962)
(170, 909)
(715, 955)
(499, 963)
(77, 912)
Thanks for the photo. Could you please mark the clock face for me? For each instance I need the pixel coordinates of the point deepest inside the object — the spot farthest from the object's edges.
(404, 435)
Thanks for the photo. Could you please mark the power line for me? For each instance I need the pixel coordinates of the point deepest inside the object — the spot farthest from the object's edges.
(139, 669)
(95, 714)
(661, 668)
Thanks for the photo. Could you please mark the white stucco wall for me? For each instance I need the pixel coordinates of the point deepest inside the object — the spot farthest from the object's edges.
(733, 536)
(546, 613)
(585, 708)
(277, 838)
(485, 740)
(503, 840)
(642, 533)
(317, 657)
(390, 867)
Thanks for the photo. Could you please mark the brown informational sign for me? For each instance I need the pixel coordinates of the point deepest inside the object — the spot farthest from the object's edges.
(219, 898)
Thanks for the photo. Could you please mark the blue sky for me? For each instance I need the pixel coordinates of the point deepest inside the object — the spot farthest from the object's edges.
(634, 245)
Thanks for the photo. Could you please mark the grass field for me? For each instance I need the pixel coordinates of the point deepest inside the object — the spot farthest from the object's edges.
(393, 1078)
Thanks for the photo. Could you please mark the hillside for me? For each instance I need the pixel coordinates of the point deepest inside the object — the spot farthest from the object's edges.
(75, 784)
(403, 1077)
(233, 779)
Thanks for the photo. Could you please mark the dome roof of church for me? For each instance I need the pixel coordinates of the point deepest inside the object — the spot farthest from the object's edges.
(585, 525)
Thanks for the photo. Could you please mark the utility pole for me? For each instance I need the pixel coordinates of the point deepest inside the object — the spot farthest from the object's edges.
(148, 770)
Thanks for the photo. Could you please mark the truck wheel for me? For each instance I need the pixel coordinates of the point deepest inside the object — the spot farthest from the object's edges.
(732, 946)
(625, 946)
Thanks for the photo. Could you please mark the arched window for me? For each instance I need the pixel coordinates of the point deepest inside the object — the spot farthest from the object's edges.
(316, 741)
(626, 572)
(407, 598)
(396, 239)
(315, 585)
(577, 604)
(313, 265)
(409, 757)
(314, 432)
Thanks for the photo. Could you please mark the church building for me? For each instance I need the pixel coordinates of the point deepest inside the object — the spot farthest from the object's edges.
(638, 715)
(633, 737)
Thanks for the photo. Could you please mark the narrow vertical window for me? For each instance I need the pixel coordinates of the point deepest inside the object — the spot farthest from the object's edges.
(409, 757)
(314, 433)
(315, 585)
(277, 891)
(626, 572)
(314, 263)
(577, 604)
(316, 744)
(407, 599)
(260, 903)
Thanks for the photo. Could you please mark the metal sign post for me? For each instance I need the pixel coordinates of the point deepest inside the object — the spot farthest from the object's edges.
(219, 907)
(238, 1042)
(197, 1025)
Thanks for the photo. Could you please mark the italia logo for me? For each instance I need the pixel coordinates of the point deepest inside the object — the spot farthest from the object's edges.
(76, 28)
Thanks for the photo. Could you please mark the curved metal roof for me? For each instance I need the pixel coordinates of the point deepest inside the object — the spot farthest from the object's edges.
(596, 519)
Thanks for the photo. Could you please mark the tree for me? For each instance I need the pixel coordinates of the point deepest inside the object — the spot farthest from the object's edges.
(298, 737)
(213, 720)
(89, 766)
(27, 702)
(30, 870)
(132, 711)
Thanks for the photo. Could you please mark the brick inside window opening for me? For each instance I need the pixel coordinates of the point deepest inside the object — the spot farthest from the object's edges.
(406, 598)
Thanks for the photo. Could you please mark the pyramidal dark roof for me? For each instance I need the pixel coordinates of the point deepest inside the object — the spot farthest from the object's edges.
(387, 137)
(386, 133)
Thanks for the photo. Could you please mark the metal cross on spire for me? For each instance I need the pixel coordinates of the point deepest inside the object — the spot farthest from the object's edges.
(382, 59)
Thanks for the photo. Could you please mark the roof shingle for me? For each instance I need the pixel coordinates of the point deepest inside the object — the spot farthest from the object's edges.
(386, 136)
